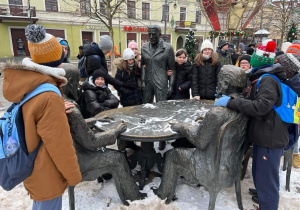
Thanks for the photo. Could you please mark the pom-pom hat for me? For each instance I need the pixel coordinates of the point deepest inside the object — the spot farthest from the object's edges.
(43, 47)
(294, 48)
(264, 55)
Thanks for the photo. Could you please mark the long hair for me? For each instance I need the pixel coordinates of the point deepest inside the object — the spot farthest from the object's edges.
(135, 67)
(199, 60)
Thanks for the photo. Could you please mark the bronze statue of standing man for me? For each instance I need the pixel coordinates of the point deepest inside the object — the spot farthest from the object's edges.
(158, 57)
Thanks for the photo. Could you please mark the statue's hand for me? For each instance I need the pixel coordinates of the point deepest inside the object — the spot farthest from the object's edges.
(106, 118)
(175, 126)
(121, 128)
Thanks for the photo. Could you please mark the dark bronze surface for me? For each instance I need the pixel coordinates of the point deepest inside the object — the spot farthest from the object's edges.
(147, 124)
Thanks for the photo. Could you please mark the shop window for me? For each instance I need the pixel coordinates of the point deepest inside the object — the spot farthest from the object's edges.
(131, 37)
(51, 5)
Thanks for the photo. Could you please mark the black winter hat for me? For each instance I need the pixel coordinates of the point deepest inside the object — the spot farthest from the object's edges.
(250, 51)
(244, 57)
(222, 43)
(251, 45)
(99, 73)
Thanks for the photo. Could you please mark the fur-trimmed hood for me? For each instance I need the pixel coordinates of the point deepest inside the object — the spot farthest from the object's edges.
(22, 78)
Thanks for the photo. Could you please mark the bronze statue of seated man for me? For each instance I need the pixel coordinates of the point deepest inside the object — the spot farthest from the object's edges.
(93, 158)
(216, 161)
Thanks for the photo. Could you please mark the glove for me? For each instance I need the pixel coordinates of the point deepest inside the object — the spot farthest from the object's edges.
(222, 101)
(197, 98)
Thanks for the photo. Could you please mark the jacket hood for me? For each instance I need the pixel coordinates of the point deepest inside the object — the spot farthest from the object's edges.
(276, 69)
(89, 85)
(92, 49)
(21, 79)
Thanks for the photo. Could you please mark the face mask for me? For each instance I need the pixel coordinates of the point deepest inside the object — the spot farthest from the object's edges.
(206, 57)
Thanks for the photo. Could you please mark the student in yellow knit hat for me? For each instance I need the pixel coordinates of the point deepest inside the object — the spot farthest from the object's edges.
(56, 165)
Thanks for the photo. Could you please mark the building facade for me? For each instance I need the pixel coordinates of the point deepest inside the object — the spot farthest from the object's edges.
(69, 19)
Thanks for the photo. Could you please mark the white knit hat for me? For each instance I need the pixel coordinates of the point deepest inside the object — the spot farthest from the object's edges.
(128, 54)
(207, 44)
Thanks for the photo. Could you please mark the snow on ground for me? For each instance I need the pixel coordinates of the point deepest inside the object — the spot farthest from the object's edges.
(92, 195)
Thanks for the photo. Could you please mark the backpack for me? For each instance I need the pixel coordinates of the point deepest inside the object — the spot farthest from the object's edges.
(82, 65)
(289, 103)
(15, 162)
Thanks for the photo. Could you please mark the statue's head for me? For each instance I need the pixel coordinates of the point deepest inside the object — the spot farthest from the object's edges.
(72, 74)
(154, 32)
(231, 79)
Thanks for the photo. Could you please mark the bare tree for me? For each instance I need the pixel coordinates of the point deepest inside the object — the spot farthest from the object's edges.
(103, 11)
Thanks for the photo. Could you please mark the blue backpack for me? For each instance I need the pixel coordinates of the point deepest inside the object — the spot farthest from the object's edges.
(289, 103)
(15, 162)
(82, 65)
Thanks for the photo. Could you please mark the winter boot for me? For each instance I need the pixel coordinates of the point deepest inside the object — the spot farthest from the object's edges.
(296, 160)
(252, 191)
(255, 199)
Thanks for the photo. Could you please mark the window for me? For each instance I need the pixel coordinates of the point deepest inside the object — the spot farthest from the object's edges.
(102, 7)
(198, 16)
(182, 13)
(85, 6)
(131, 37)
(131, 9)
(145, 11)
(163, 13)
(51, 5)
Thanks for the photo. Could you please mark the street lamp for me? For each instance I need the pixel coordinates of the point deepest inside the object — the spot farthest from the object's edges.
(165, 17)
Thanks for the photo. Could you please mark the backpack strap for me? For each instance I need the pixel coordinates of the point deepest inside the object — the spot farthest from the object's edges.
(40, 89)
(266, 75)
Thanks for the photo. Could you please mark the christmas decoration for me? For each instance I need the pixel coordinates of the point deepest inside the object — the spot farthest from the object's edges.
(292, 34)
(222, 34)
(190, 45)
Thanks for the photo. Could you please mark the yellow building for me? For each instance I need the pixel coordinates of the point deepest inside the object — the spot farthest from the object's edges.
(68, 19)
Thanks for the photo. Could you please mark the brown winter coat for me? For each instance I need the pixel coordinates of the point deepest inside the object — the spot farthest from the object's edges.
(56, 164)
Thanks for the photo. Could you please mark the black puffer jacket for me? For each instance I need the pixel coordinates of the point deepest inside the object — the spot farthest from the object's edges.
(130, 93)
(93, 63)
(183, 80)
(98, 99)
(205, 80)
(265, 128)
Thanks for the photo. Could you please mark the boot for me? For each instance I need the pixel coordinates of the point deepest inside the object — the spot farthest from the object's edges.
(255, 199)
(296, 160)
(252, 191)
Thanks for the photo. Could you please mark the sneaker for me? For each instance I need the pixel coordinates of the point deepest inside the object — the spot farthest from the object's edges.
(252, 191)
(296, 160)
(255, 199)
(2, 108)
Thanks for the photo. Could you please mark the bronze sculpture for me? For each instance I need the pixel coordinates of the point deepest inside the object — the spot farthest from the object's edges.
(93, 158)
(158, 57)
(216, 161)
